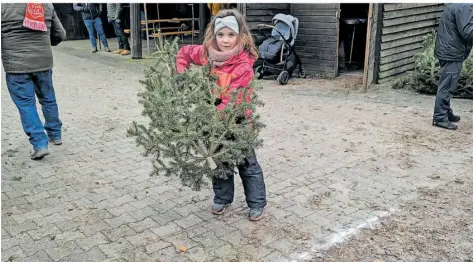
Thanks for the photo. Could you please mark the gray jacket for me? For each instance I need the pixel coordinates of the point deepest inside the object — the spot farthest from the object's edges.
(88, 11)
(455, 33)
(114, 11)
(25, 50)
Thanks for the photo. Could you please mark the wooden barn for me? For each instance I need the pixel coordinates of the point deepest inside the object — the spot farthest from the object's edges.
(376, 41)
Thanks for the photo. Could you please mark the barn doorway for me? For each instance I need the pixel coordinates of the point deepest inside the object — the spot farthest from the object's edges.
(352, 39)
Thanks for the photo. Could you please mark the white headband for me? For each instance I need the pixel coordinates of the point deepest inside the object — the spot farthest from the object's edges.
(228, 21)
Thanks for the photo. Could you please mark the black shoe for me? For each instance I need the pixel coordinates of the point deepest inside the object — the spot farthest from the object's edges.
(453, 118)
(445, 124)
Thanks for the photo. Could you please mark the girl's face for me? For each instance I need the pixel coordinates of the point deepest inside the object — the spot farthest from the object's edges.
(227, 39)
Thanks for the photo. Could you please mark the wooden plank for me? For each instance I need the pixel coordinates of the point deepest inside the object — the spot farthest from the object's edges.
(367, 47)
(322, 12)
(396, 64)
(175, 33)
(317, 19)
(258, 18)
(409, 26)
(392, 78)
(394, 7)
(411, 19)
(317, 38)
(317, 57)
(315, 50)
(401, 49)
(394, 71)
(326, 32)
(396, 57)
(314, 68)
(311, 24)
(254, 25)
(265, 12)
(402, 41)
(406, 34)
(414, 11)
(326, 44)
(268, 6)
(314, 6)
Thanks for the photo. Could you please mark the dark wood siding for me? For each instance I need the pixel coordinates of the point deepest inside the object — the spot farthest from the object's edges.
(316, 42)
(264, 13)
(404, 27)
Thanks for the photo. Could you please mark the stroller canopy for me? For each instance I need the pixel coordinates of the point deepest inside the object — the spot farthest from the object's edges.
(287, 25)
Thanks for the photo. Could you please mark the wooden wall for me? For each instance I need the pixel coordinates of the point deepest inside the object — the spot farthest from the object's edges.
(403, 28)
(317, 42)
(264, 13)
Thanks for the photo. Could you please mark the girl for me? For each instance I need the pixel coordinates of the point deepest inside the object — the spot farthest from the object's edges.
(229, 47)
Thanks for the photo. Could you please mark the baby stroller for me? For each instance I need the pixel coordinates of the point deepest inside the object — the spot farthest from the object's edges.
(277, 55)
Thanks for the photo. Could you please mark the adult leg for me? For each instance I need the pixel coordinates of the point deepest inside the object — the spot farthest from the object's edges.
(99, 28)
(47, 98)
(89, 24)
(22, 91)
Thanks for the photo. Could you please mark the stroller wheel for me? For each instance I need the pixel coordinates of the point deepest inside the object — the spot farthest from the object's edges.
(259, 73)
(283, 77)
(302, 73)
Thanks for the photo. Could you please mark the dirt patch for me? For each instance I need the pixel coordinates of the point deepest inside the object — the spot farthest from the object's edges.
(436, 227)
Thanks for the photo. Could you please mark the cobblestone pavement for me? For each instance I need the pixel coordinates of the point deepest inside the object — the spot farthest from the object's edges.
(334, 161)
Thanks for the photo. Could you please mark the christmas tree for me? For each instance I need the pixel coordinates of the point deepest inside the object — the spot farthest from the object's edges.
(187, 136)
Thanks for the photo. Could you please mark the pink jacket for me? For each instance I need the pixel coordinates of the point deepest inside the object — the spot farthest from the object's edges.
(236, 73)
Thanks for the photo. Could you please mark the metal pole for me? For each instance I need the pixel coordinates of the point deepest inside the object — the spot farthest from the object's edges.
(202, 21)
(147, 32)
(135, 28)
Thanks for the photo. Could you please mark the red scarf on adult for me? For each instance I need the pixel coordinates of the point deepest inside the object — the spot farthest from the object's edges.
(34, 17)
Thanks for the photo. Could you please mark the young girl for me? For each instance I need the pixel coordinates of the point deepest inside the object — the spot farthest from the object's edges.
(229, 47)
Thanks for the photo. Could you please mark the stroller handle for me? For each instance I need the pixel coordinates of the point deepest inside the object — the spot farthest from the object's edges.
(260, 26)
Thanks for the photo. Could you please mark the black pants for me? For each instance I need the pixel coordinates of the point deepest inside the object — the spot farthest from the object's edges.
(253, 183)
(450, 73)
(122, 39)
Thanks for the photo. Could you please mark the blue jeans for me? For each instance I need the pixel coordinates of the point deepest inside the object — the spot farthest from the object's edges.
(22, 88)
(253, 183)
(97, 24)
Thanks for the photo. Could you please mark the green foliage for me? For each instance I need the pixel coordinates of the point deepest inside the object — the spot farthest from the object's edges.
(426, 74)
(186, 135)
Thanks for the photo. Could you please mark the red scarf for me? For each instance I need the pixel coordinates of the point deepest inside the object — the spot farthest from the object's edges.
(34, 17)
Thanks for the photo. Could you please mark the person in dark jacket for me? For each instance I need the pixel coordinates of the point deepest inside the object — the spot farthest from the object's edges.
(114, 15)
(452, 47)
(28, 31)
(91, 16)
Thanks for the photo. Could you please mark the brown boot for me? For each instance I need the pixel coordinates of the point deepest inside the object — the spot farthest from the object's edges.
(125, 52)
(118, 51)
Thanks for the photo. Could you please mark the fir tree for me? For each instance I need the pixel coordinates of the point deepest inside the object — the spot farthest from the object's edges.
(186, 135)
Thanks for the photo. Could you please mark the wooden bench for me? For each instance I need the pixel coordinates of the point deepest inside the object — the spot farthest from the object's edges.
(151, 29)
(185, 32)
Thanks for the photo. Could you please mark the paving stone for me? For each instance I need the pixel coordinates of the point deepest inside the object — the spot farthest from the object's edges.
(147, 201)
(181, 238)
(32, 248)
(40, 256)
(119, 232)
(166, 230)
(54, 218)
(13, 254)
(92, 241)
(209, 241)
(94, 254)
(27, 216)
(16, 240)
(142, 238)
(94, 228)
(120, 249)
(118, 211)
(119, 220)
(188, 221)
(140, 226)
(142, 213)
(157, 245)
(187, 210)
(166, 217)
(48, 230)
(231, 253)
(58, 253)
(67, 236)
(199, 254)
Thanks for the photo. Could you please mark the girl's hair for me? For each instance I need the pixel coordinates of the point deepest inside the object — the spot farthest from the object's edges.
(244, 36)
